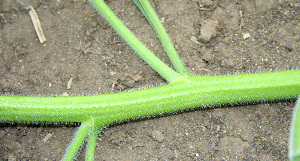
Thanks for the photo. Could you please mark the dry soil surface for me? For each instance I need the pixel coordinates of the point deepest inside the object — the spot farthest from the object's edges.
(209, 38)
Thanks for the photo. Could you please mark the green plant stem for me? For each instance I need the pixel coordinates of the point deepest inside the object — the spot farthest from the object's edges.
(294, 143)
(80, 135)
(194, 91)
(166, 72)
(164, 38)
(90, 149)
(185, 91)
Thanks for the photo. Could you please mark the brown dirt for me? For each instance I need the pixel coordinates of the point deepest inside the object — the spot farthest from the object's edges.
(249, 132)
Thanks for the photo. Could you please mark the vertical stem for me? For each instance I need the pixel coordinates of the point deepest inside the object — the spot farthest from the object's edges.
(90, 149)
(164, 38)
(294, 143)
(80, 135)
(169, 74)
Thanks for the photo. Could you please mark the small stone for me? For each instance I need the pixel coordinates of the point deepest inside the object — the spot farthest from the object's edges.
(207, 56)
(206, 2)
(157, 135)
(136, 77)
(162, 20)
(194, 40)
(246, 36)
(12, 158)
(14, 146)
(129, 83)
(120, 87)
(47, 137)
(208, 30)
(227, 62)
(65, 94)
(69, 83)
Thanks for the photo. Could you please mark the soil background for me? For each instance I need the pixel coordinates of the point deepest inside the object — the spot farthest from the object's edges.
(81, 46)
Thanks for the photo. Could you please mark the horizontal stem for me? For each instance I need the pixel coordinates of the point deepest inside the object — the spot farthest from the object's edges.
(195, 91)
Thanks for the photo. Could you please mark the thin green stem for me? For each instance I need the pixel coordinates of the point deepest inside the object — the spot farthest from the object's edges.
(164, 38)
(166, 72)
(90, 149)
(80, 135)
(294, 144)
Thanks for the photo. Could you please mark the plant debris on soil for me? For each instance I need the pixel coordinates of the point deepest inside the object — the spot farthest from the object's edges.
(84, 56)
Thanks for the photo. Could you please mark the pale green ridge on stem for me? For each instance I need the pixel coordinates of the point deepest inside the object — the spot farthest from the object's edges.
(164, 38)
(166, 72)
(196, 92)
(294, 143)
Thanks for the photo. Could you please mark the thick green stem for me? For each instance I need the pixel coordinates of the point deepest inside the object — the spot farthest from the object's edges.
(80, 135)
(164, 38)
(169, 74)
(194, 91)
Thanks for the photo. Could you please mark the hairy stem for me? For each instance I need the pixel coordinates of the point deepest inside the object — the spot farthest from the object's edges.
(90, 149)
(294, 143)
(194, 91)
(166, 72)
(80, 135)
(160, 31)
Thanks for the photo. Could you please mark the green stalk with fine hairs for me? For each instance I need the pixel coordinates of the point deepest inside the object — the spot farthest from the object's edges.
(166, 72)
(193, 91)
(90, 149)
(80, 135)
(184, 91)
(294, 143)
(161, 33)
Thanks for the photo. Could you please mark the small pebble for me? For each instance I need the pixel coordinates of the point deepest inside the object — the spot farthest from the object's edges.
(208, 30)
(157, 135)
(65, 94)
(246, 36)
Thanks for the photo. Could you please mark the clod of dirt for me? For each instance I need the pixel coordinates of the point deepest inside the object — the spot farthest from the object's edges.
(157, 136)
(2, 133)
(228, 18)
(206, 2)
(12, 157)
(7, 5)
(234, 146)
(136, 77)
(207, 56)
(262, 5)
(130, 83)
(14, 146)
(116, 138)
(208, 30)
(227, 63)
